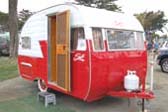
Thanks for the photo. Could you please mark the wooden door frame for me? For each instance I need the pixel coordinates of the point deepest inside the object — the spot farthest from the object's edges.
(50, 72)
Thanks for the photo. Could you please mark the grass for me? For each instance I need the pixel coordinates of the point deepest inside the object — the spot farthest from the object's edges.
(30, 104)
(8, 68)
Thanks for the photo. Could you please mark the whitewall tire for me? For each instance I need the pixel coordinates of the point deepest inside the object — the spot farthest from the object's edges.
(42, 85)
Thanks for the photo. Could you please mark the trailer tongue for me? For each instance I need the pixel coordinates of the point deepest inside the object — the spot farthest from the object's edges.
(138, 94)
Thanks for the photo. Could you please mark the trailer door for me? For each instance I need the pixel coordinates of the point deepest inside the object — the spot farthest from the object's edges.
(63, 50)
(59, 50)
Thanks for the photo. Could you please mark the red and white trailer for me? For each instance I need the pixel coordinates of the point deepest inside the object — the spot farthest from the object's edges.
(84, 52)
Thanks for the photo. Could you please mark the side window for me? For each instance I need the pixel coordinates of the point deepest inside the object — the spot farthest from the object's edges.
(78, 39)
(26, 42)
(140, 40)
(119, 39)
(97, 39)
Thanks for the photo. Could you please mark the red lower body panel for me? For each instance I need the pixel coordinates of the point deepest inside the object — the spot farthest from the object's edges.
(125, 94)
(99, 75)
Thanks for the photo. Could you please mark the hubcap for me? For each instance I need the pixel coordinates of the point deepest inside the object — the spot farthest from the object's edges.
(42, 86)
(165, 66)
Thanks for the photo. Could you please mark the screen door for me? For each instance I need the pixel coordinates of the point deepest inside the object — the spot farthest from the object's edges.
(63, 50)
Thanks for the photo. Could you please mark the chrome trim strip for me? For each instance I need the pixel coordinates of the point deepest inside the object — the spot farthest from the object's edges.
(90, 71)
(26, 64)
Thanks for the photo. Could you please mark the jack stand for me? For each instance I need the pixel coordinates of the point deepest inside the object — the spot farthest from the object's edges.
(137, 105)
(143, 105)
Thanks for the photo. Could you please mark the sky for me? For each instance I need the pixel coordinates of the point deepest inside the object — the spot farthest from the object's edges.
(32, 5)
(128, 6)
(138, 6)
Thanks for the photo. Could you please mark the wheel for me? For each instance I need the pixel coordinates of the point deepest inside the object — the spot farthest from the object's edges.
(42, 85)
(164, 65)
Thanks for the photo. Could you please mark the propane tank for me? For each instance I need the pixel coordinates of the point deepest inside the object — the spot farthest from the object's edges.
(131, 81)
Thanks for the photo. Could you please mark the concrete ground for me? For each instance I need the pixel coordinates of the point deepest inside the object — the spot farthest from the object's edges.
(18, 87)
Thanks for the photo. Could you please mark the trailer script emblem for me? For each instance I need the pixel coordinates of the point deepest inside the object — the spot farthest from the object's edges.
(79, 57)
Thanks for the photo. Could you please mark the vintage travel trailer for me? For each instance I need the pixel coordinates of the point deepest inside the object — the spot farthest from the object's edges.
(84, 52)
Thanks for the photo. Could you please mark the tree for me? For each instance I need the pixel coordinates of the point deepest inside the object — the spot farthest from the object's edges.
(13, 27)
(23, 16)
(102, 4)
(152, 21)
(3, 21)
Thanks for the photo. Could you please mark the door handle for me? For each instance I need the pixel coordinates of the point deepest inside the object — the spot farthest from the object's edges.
(64, 47)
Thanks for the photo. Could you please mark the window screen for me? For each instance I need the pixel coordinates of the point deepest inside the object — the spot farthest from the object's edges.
(121, 39)
(26, 42)
(78, 39)
(97, 39)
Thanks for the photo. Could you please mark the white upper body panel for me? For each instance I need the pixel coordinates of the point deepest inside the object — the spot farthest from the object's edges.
(80, 16)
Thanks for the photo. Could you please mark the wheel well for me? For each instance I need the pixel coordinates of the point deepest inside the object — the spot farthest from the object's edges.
(36, 79)
(162, 58)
